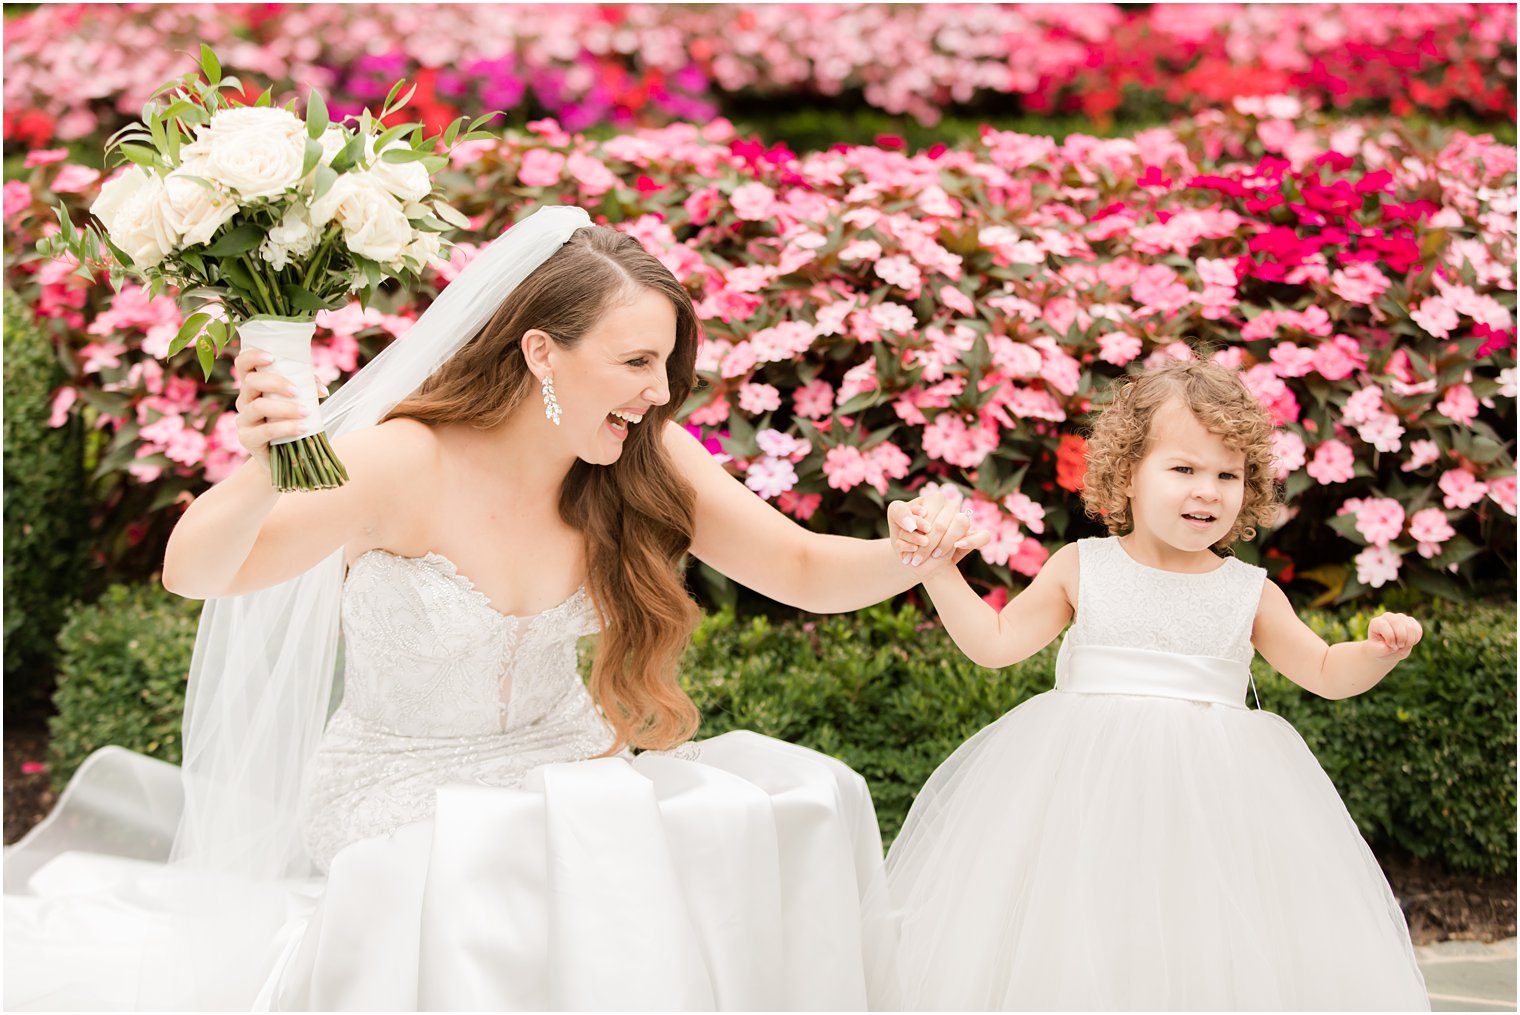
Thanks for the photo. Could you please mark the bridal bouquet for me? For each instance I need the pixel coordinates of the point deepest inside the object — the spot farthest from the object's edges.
(260, 219)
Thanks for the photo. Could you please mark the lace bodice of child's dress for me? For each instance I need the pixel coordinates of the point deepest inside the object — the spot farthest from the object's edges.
(440, 687)
(1122, 603)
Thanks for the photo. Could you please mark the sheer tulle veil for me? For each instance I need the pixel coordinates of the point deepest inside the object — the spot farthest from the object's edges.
(262, 675)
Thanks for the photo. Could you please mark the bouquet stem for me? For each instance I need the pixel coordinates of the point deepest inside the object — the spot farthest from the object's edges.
(306, 462)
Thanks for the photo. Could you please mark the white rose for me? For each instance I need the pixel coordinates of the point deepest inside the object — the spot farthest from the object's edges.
(408, 181)
(332, 141)
(424, 249)
(292, 237)
(252, 119)
(257, 156)
(196, 210)
(374, 225)
(135, 212)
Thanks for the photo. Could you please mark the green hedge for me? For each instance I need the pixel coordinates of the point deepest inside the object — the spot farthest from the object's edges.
(122, 665)
(1425, 761)
(46, 519)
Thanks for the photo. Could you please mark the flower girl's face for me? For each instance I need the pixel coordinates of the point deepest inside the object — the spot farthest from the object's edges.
(1187, 489)
(608, 381)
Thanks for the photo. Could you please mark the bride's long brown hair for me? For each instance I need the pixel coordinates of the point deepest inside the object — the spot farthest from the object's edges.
(636, 515)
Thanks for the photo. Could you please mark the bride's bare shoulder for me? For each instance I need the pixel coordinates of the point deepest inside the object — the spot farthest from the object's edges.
(397, 449)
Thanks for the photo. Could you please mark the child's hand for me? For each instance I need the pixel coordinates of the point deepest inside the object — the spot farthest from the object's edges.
(1393, 634)
(929, 532)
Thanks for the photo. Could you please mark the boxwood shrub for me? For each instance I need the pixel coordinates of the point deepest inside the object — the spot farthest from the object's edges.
(1425, 761)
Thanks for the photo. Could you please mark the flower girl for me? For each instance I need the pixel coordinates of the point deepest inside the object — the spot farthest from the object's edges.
(1138, 838)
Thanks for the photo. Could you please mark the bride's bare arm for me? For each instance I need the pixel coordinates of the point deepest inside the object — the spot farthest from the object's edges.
(743, 537)
(241, 535)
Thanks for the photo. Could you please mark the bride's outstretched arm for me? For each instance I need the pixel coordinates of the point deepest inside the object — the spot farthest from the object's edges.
(743, 537)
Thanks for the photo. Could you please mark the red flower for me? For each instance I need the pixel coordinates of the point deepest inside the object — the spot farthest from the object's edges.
(1071, 462)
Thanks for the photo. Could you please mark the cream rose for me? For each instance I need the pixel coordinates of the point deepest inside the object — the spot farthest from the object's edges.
(407, 181)
(293, 237)
(135, 211)
(374, 225)
(254, 155)
(196, 210)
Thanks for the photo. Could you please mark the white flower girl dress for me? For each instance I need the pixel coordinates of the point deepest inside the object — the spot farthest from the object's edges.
(1139, 839)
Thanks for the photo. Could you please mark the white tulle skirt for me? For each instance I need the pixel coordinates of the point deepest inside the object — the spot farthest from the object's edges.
(727, 875)
(1119, 852)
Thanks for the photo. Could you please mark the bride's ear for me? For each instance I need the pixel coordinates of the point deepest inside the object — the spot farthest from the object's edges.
(536, 346)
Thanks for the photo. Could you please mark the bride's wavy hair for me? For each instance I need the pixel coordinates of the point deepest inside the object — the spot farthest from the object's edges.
(637, 515)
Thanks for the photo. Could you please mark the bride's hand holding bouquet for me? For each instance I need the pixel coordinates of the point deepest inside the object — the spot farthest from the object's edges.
(261, 219)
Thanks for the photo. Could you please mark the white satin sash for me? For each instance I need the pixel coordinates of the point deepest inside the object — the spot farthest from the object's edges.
(1113, 669)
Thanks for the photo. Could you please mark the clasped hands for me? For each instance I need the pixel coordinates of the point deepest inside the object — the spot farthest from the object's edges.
(931, 531)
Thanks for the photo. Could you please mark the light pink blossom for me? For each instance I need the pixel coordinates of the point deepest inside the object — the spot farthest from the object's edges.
(1288, 451)
(753, 202)
(758, 398)
(1459, 404)
(770, 477)
(814, 400)
(1421, 454)
(1118, 348)
(540, 168)
(1333, 463)
(1502, 491)
(1380, 520)
(1430, 528)
(1461, 488)
(1376, 566)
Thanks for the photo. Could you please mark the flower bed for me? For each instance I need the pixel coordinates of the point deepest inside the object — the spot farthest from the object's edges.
(879, 323)
(652, 63)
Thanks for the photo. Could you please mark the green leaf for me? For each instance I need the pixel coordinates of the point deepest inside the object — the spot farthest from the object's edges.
(316, 115)
(396, 156)
(266, 99)
(301, 299)
(188, 332)
(451, 215)
(323, 181)
(313, 156)
(236, 241)
(210, 65)
(139, 155)
(349, 154)
(206, 355)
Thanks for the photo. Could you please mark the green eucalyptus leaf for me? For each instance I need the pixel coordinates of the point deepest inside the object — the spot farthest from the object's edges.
(316, 115)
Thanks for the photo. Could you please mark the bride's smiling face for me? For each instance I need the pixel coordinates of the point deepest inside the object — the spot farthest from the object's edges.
(607, 382)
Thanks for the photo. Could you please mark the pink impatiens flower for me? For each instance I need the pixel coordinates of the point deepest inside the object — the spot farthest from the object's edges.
(1380, 520)
(1461, 488)
(1421, 454)
(753, 202)
(1118, 348)
(758, 398)
(1333, 463)
(1359, 283)
(770, 477)
(540, 168)
(1459, 404)
(948, 439)
(1436, 316)
(1502, 491)
(1376, 566)
(845, 467)
(1289, 452)
(1430, 529)
(814, 400)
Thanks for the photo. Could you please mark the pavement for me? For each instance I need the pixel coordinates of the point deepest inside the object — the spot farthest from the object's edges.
(1469, 975)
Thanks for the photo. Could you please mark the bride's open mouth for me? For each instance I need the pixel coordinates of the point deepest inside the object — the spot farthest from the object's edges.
(618, 421)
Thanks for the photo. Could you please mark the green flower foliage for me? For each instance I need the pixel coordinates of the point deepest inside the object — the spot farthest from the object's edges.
(46, 518)
(122, 666)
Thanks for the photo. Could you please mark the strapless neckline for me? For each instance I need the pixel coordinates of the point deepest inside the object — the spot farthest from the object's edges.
(444, 566)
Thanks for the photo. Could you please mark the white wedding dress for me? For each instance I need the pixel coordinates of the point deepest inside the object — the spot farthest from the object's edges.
(1138, 839)
(477, 854)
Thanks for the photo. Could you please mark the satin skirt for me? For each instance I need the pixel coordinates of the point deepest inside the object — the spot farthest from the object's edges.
(729, 874)
(1166, 849)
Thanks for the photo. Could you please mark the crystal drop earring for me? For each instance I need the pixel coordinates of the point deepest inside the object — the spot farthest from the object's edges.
(551, 403)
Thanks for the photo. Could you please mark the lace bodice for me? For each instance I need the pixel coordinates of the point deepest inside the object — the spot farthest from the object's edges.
(441, 687)
(1125, 604)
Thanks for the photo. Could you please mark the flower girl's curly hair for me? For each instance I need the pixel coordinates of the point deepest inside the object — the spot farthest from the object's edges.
(636, 515)
(1217, 398)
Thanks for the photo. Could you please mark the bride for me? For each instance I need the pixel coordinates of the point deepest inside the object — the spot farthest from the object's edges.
(469, 828)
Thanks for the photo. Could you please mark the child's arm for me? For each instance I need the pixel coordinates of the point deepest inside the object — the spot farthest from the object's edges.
(1330, 671)
(1027, 624)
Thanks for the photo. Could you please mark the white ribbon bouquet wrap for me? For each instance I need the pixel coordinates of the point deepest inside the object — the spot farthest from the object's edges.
(262, 219)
